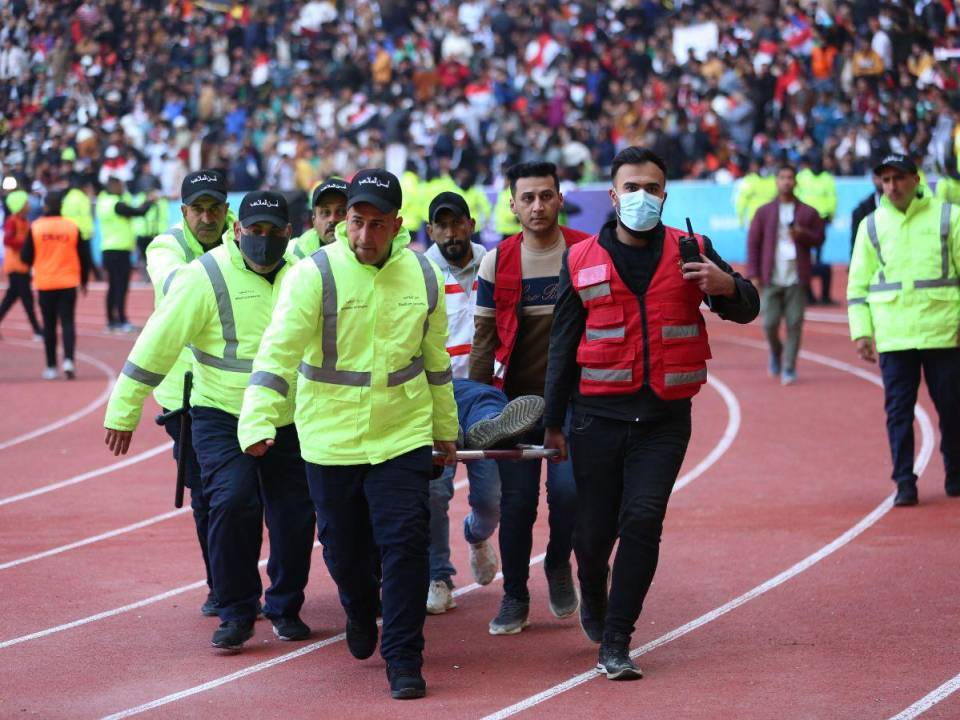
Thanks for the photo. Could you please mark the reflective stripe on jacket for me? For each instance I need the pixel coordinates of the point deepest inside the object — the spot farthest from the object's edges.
(366, 349)
(217, 307)
(167, 253)
(903, 288)
(659, 340)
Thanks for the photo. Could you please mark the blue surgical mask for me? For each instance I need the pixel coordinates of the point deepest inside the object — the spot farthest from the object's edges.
(639, 211)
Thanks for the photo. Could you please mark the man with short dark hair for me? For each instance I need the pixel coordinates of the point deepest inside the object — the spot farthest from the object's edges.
(782, 234)
(328, 208)
(628, 349)
(515, 302)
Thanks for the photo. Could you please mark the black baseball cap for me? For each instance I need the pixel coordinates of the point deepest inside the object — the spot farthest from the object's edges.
(330, 185)
(448, 201)
(377, 187)
(264, 206)
(895, 160)
(211, 183)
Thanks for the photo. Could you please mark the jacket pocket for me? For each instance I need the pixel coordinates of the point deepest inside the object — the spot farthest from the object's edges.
(605, 324)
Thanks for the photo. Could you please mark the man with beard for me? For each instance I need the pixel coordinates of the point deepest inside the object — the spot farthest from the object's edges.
(629, 347)
(482, 409)
(329, 203)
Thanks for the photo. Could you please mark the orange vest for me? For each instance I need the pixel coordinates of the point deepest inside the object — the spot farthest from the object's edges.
(507, 295)
(11, 257)
(659, 340)
(56, 264)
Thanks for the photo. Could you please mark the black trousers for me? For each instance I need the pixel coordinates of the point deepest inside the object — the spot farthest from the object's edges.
(58, 306)
(117, 265)
(386, 505)
(19, 289)
(198, 501)
(241, 489)
(901, 381)
(625, 473)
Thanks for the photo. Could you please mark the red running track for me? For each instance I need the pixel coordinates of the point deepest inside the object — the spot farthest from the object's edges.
(787, 587)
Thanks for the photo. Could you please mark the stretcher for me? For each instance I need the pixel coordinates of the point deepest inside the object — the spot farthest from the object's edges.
(520, 452)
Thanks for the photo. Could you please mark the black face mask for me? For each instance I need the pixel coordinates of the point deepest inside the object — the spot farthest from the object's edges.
(262, 249)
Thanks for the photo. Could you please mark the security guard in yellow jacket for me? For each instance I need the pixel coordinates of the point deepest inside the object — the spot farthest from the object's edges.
(220, 306)
(329, 206)
(903, 294)
(360, 333)
(206, 218)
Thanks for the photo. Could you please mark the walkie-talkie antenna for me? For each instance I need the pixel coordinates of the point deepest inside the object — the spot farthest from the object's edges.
(689, 227)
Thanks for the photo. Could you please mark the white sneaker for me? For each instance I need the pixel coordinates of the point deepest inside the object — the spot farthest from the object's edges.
(439, 598)
(483, 562)
(37, 337)
(49, 374)
(69, 369)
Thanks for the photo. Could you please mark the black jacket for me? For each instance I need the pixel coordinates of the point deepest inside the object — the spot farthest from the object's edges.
(866, 206)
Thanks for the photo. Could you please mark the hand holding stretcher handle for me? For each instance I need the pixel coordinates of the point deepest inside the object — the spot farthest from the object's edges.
(521, 452)
(186, 439)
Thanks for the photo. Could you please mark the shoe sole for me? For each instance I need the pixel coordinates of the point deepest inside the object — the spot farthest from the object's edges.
(500, 630)
(442, 610)
(624, 674)
(231, 648)
(290, 638)
(408, 694)
(209, 612)
(906, 503)
(561, 614)
(514, 420)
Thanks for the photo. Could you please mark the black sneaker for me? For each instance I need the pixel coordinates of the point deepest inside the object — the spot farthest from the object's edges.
(563, 594)
(406, 683)
(593, 614)
(614, 661)
(210, 607)
(906, 494)
(232, 634)
(290, 628)
(952, 487)
(512, 617)
(518, 416)
(361, 638)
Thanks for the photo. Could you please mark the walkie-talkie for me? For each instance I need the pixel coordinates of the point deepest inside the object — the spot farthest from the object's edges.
(689, 248)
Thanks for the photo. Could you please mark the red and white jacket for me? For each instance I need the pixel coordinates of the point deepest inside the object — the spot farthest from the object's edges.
(461, 305)
(661, 339)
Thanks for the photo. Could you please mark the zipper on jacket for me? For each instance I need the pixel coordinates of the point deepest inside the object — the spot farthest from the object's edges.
(646, 339)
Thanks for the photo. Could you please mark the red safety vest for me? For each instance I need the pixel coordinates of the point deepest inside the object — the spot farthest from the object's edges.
(662, 343)
(507, 293)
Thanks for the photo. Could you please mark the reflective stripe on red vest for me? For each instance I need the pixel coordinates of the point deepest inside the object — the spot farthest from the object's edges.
(507, 292)
(621, 350)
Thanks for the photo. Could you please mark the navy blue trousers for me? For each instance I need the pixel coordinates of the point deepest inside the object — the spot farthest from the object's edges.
(198, 501)
(241, 489)
(901, 381)
(386, 505)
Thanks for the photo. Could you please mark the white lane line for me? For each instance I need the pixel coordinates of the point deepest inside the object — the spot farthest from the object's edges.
(923, 458)
(72, 417)
(733, 409)
(928, 701)
(100, 335)
(95, 539)
(729, 434)
(826, 316)
(116, 611)
(273, 662)
(89, 475)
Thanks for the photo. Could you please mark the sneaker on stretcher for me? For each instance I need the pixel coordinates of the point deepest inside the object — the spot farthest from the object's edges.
(517, 417)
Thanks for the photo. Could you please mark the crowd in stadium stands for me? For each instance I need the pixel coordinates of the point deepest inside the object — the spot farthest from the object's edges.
(282, 93)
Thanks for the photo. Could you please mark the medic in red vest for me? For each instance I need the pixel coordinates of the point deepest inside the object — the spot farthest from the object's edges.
(628, 349)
